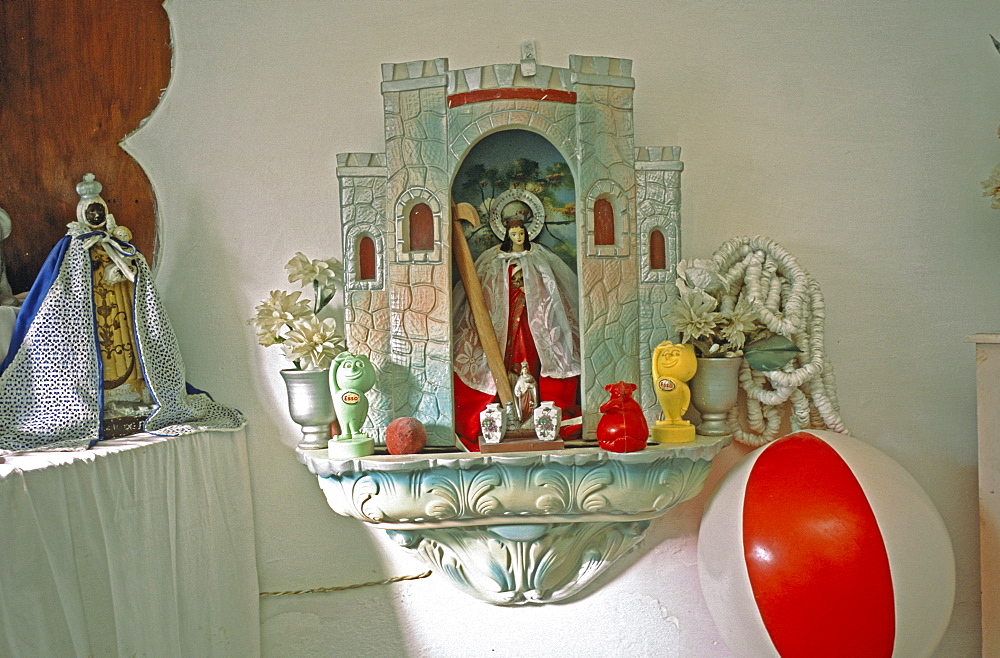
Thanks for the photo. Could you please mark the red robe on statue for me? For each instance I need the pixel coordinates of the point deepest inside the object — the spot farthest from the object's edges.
(520, 348)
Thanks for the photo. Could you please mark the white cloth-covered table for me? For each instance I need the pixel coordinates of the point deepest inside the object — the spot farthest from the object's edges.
(139, 546)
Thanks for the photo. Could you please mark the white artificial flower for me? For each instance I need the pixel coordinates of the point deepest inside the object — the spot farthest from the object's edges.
(324, 272)
(694, 315)
(739, 323)
(278, 311)
(697, 274)
(286, 320)
(313, 343)
(330, 272)
(268, 338)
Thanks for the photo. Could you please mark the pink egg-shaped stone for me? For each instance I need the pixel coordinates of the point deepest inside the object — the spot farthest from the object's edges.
(405, 436)
(818, 544)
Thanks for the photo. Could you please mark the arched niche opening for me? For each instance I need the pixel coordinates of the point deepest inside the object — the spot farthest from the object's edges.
(420, 228)
(366, 259)
(657, 250)
(604, 222)
(524, 193)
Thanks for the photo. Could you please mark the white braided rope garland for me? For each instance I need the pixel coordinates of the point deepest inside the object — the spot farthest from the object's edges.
(789, 302)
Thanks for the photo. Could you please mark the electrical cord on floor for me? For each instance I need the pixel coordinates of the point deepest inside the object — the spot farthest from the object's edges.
(325, 590)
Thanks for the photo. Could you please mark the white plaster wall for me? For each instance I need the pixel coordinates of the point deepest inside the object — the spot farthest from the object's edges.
(853, 132)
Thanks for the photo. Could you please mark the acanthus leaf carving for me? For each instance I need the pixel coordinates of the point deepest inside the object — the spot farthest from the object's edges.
(556, 564)
(445, 500)
(556, 487)
(679, 482)
(482, 483)
(592, 482)
(500, 565)
(364, 490)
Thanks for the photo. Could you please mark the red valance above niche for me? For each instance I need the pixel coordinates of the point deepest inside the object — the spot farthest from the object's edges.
(512, 93)
(77, 77)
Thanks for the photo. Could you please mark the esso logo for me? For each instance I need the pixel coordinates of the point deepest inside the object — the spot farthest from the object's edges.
(350, 397)
(666, 385)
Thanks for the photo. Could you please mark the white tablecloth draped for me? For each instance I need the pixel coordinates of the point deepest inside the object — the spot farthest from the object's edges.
(139, 546)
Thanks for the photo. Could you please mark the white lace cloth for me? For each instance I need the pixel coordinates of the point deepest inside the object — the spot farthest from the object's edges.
(51, 392)
(550, 291)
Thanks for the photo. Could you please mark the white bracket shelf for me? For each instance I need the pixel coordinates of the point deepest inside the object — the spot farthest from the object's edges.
(517, 528)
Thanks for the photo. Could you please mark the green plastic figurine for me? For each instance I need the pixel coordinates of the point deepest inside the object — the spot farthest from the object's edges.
(351, 377)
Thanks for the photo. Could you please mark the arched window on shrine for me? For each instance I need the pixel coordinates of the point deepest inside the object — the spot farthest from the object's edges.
(604, 222)
(657, 251)
(366, 259)
(421, 228)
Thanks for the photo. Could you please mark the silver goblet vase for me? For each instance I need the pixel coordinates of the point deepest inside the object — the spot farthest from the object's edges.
(310, 404)
(714, 391)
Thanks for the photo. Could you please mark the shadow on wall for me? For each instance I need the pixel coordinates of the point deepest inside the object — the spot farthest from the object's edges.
(300, 543)
(674, 532)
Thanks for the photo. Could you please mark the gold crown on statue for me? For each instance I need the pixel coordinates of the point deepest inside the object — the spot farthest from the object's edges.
(516, 210)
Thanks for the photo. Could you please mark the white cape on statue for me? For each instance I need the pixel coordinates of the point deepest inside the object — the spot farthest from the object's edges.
(51, 382)
(550, 294)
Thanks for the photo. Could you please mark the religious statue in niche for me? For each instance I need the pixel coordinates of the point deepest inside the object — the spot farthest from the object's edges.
(523, 241)
(525, 386)
(93, 355)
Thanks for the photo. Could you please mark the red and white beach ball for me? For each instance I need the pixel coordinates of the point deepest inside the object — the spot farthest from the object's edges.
(818, 544)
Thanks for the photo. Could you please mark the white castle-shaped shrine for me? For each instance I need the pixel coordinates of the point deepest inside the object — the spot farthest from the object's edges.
(397, 206)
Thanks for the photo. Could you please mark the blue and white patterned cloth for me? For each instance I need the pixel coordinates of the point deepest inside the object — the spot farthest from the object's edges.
(51, 393)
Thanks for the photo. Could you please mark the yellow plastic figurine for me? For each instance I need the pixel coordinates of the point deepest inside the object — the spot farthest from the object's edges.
(673, 366)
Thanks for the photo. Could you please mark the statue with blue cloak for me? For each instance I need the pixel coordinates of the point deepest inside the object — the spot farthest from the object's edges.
(93, 355)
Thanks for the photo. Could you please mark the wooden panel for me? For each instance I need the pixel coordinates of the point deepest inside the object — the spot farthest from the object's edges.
(75, 79)
(988, 413)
